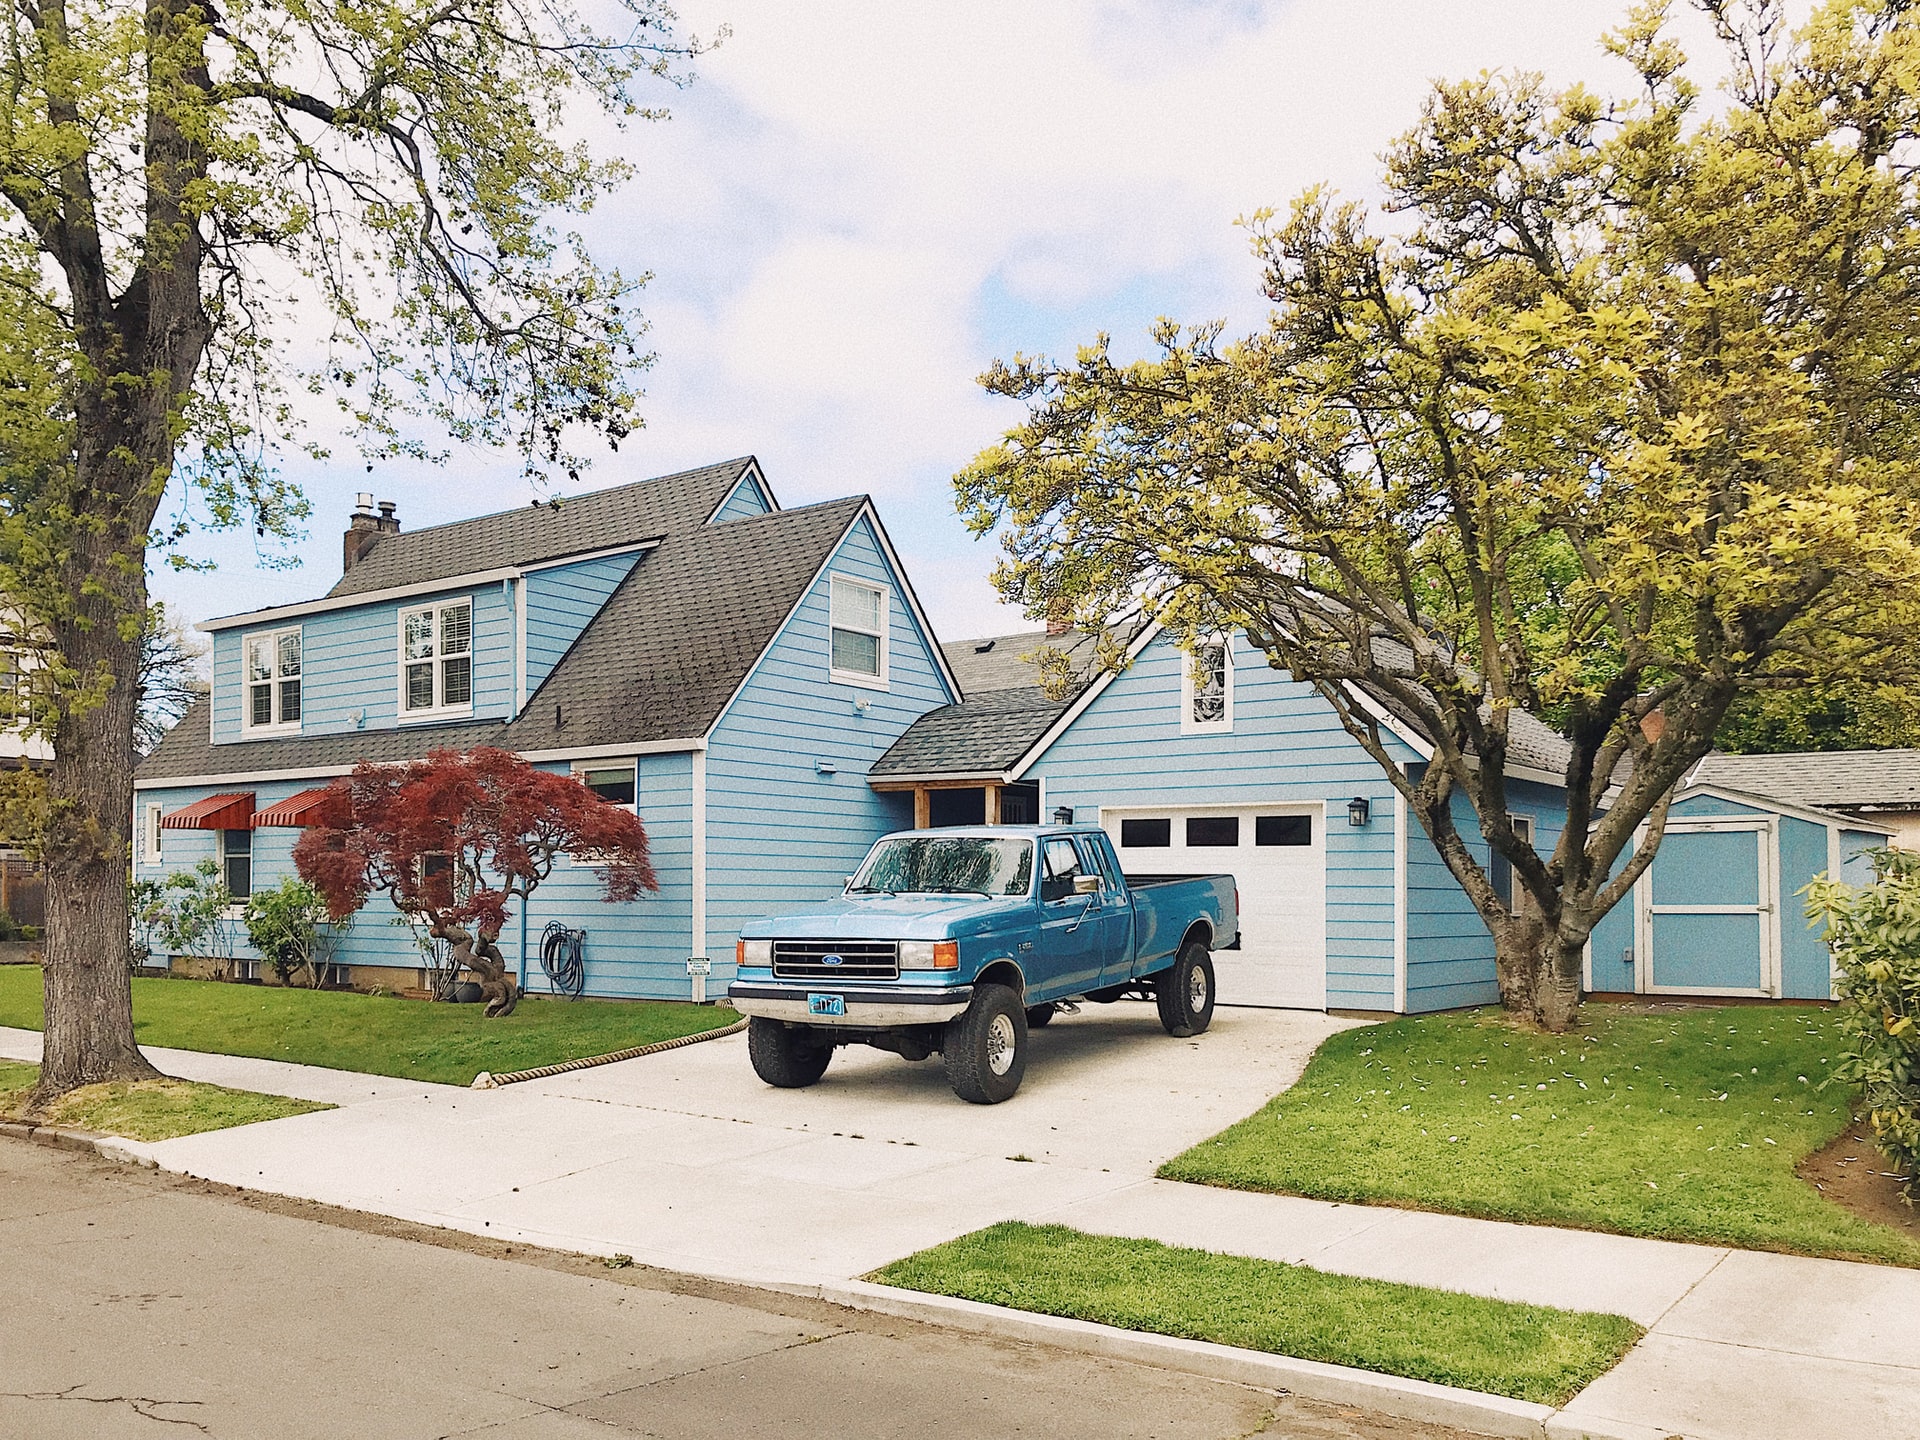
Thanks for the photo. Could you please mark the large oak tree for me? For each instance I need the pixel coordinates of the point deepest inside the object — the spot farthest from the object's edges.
(1614, 423)
(211, 207)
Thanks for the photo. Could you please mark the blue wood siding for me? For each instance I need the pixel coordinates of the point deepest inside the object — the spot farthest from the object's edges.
(560, 601)
(634, 949)
(1127, 749)
(779, 832)
(1855, 867)
(350, 662)
(747, 499)
(638, 949)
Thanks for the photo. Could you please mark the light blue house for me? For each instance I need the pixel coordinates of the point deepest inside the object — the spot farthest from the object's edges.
(1214, 761)
(684, 645)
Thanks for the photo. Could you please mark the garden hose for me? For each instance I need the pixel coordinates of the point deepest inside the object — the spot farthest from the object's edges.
(563, 957)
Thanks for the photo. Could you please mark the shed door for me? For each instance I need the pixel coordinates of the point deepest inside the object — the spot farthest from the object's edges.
(1707, 921)
(1277, 857)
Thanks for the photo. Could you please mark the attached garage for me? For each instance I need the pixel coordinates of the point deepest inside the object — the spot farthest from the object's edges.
(1277, 856)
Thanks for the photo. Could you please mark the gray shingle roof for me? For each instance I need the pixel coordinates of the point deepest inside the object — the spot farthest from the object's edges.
(659, 662)
(186, 750)
(618, 515)
(676, 639)
(1003, 713)
(1846, 779)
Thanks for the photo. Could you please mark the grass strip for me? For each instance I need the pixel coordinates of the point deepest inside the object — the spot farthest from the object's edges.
(1526, 1352)
(377, 1034)
(1681, 1123)
(148, 1109)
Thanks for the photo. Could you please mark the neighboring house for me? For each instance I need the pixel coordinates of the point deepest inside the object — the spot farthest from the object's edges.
(1215, 761)
(684, 645)
(1878, 786)
(22, 887)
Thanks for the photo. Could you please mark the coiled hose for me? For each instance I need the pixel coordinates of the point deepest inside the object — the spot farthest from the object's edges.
(563, 957)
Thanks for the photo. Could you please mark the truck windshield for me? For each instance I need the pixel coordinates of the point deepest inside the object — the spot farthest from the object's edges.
(947, 865)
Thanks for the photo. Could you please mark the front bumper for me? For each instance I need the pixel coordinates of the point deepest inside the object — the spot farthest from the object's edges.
(867, 1009)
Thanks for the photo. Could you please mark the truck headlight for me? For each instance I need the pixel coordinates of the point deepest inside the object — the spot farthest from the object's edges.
(929, 954)
(753, 952)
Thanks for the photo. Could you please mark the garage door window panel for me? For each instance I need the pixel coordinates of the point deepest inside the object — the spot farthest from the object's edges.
(1213, 831)
(1146, 834)
(1283, 830)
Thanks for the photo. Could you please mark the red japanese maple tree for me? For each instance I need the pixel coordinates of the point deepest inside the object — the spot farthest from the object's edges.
(455, 839)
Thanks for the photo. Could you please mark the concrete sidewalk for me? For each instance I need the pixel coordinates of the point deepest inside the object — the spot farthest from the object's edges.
(684, 1160)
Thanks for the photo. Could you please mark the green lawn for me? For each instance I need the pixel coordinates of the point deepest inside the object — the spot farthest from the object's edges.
(149, 1109)
(1529, 1352)
(377, 1034)
(1681, 1123)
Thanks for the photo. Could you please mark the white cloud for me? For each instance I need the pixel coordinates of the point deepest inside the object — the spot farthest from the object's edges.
(858, 205)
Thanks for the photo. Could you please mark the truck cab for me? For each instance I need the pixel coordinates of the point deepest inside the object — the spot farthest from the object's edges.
(957, 941)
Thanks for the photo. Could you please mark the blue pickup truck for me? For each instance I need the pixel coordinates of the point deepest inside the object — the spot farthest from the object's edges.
(956, 941)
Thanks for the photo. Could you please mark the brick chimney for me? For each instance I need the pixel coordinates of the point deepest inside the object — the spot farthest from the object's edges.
(364, 528)
(1653, 725)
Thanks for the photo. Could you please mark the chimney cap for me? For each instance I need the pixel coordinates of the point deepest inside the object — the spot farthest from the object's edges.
(387, 507)
(363, 503)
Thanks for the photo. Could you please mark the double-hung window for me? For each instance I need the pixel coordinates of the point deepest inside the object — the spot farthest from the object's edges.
(436, 659)
(859, 638)
(614, 784)
(272, 662)
(236, 863)
(1206, 700)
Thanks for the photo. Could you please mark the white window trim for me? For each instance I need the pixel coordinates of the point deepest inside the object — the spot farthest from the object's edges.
(150, 851)
(1189, 725)
(855, 677)
(247, 727)
(436, 712)
(238, 906)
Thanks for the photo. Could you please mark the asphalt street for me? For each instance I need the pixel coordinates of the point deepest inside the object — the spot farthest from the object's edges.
(136, 1305)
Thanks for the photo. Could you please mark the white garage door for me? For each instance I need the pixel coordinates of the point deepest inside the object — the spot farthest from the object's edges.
(1277, 854)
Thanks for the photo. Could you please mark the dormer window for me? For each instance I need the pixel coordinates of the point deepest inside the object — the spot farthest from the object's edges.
(272, 663)
(436, 660)
(859, 633)
(1206, 700)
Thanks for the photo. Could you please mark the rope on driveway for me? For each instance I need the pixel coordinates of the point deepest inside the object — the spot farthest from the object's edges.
(487, 1081)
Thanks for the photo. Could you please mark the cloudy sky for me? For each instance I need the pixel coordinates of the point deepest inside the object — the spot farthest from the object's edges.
(857, 206)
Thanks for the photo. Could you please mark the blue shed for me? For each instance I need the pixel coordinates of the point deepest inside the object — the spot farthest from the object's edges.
(1721, 910)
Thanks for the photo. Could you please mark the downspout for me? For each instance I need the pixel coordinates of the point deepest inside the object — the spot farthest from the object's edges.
(523, 942)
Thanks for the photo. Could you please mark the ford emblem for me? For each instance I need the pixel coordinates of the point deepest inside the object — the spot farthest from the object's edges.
(832, 960)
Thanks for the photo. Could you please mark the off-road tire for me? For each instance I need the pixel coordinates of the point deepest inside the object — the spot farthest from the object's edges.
(1040, 1016)
(1184, 993)
(985, 1047)
(784, 1057)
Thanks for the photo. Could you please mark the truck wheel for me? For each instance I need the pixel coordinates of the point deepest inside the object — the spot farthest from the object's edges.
(1039, 1015)
(1185, 992)
(785, 1058)
(986, 1047)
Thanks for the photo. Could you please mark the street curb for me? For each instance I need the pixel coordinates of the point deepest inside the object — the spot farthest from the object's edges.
(1495, 1416)
(1492, 1415)
(486, 1080)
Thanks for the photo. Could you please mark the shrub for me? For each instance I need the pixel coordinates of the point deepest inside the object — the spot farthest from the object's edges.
(1874, 933)
(181, 914)
(288, 925)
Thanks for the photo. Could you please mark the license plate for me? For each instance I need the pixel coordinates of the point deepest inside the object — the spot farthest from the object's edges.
(826, 1005)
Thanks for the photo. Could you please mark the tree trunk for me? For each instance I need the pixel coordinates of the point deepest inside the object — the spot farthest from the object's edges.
(488, 965)
(1540, 971)
(87, 982)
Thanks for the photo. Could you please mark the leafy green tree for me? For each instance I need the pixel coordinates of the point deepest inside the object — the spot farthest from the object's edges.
(212, 208)
(1614, 425)
(290, 927)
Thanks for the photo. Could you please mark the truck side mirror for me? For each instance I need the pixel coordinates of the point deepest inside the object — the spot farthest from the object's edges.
(1086, 884)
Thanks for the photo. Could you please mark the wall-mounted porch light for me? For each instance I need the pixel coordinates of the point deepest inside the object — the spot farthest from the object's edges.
(1063, 816)
(1359, 811)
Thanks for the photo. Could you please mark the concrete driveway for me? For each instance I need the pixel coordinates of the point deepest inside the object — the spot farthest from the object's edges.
(687, 1161)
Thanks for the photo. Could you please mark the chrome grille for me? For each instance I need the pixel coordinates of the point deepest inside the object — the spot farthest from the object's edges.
(858, 959)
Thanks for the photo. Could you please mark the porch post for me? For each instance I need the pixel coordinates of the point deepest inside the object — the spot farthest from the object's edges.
(922, 808)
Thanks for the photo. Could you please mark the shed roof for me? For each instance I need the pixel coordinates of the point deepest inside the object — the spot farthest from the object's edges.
(1828, 779)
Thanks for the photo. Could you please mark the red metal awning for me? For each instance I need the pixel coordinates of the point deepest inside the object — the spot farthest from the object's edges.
(294, 810)
(216, 812)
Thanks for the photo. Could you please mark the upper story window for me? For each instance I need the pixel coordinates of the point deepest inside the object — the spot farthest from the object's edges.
(436, 659)
(859, 638)
(272, 661)
(1206, 692)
